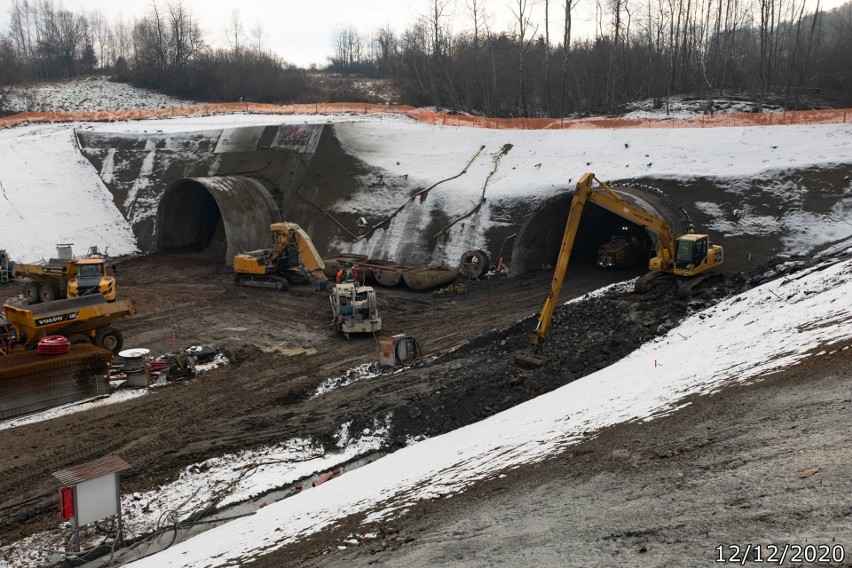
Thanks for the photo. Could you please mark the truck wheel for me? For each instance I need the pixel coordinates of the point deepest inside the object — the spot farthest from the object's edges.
(31, 292)
(110, 339)
(78, 338)
(48, 293)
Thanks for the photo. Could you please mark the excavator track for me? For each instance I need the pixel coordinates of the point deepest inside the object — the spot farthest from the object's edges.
(271, 282)
(685, 285)
(646, 281)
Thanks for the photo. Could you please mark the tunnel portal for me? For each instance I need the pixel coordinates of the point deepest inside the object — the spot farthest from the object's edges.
(540, 237)
(224, 215)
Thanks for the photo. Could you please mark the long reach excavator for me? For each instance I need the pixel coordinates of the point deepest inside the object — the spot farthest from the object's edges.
(689, 256)
(293, 259)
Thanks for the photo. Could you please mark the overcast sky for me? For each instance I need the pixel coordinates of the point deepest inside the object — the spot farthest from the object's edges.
(301, 31)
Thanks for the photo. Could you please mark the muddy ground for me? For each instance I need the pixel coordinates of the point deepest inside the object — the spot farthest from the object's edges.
(283, 348)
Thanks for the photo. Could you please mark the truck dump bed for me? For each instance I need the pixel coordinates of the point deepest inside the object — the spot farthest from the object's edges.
(73, 315)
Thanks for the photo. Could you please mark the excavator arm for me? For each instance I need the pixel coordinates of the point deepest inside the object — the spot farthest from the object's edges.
(308, 255)
(292, 256)
(581, 195)
(603, 196)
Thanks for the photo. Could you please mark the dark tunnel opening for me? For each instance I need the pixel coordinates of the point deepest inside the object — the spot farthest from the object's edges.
(599, 226)
(219, 216)
(540, 238)
(189, 220)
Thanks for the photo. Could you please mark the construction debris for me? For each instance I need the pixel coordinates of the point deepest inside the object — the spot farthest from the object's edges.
(474, 264)
(451, 290)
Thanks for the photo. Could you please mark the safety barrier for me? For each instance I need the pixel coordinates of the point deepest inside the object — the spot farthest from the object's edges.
(832, 116)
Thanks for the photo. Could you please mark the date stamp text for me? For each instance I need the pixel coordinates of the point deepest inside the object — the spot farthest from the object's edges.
(780, 553)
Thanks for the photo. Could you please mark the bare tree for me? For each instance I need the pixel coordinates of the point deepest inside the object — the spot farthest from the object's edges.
(385, 41)
(235, 32)
(22, 25)
(473, 73)
(348, 46)
(566, 49)
(185, 35)
(476, 9)
(547, 58)
(439, 12)
(123, 41)
(440, 85)
(793, 57)
(63, 39)
(524, 35)
(159, 33)
(767, 24)
(808, 52)
(257, 35)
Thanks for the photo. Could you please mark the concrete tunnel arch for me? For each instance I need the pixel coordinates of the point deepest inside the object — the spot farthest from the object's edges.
(224, 214)
(540, 237)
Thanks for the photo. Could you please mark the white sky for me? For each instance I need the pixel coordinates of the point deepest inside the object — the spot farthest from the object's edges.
(301, 32)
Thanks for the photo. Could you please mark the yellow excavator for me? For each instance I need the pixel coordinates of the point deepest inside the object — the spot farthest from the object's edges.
(293, 259)
(689, 256)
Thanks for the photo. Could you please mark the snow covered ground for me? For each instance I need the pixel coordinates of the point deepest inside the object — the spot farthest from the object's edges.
(85, 94)
(51, 194)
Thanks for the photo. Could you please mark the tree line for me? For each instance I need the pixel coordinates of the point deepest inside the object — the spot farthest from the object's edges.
(789, 52)
(165, 50)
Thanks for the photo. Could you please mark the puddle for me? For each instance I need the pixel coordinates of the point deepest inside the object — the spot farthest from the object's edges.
(289, 351)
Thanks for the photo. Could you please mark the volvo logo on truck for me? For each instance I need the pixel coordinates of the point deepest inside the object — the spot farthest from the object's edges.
(56, 319)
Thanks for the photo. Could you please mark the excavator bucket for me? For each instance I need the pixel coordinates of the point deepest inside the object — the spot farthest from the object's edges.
(530, 360)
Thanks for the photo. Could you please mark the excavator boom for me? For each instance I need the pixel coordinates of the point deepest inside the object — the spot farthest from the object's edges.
(688, 255)
(292, 258)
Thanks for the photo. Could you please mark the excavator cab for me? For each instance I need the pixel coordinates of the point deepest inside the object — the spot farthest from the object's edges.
(691, 252)
(695, 254)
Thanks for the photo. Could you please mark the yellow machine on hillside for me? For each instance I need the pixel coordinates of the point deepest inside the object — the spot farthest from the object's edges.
(65, 277)
(687, 256)
(293, 259)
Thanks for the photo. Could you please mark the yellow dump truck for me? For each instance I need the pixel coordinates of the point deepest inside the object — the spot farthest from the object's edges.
(65, 278)
(87, 319)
